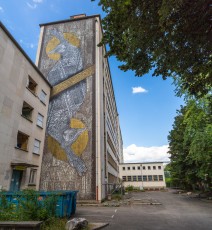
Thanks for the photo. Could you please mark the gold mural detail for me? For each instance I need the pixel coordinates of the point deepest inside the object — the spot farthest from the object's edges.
(54, 42)
(72, 39)
(56, 150)
(80, 144)
(76, 124)
(72, 80)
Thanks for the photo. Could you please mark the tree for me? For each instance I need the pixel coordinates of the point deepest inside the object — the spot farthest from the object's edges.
(172, 37)
(190, 143)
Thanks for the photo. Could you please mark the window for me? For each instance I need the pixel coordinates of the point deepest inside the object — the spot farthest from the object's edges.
(134, 178)
(155, 177)
(128, 168)
(144, 167)
(160, 177)
(154, 167)
(159, 167)
(40, 120)
(133, 168)
(32, 176)
(139, 178)
(27, 111)
(124, 178)
(43, 96)
(149, 178)
(36, 146)
(149, 167)
(144, 178)
(128, 178)
(22, 141)
(123, 168)
(31, 85)
(139, 168)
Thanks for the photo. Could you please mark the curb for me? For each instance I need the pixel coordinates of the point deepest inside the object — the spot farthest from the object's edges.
(95, 226)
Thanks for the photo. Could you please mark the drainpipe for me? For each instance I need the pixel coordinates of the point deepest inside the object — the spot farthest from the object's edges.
(97, 114)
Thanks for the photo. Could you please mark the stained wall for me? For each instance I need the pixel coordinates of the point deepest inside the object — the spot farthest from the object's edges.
(66, 58)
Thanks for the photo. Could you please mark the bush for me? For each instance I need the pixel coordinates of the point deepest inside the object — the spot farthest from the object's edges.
(29, 207)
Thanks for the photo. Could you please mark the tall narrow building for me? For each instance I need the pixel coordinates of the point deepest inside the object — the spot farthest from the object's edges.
(83, 144)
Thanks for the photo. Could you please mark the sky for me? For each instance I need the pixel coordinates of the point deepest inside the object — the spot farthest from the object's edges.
(147, 105)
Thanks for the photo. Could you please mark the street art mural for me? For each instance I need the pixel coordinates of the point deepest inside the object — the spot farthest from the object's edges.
(66, 59)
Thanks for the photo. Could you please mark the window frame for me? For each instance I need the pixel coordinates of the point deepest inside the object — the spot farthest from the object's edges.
(36, 147)
(30, 79)
(134, 178)
(32, 177)
(150, 178)
(37, 123)
(160, 177)
(27, 141)
(144, 178)
(41, 98)
(29, 118)
(129, 178)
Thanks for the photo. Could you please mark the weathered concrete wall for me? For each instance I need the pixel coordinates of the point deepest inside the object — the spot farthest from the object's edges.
(67, 60)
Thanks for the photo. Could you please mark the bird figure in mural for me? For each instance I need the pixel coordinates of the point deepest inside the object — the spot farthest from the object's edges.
(64, 106)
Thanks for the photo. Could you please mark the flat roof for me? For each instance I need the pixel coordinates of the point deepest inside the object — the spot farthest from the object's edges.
(23, 52)
(70, 20)
(154, 162)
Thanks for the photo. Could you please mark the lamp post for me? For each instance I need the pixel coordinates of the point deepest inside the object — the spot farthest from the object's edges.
(141, 179)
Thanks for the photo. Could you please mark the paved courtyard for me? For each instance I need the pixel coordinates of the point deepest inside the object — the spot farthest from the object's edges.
(176, 212)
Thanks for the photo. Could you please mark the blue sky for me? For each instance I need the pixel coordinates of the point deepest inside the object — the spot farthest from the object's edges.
(146, 105)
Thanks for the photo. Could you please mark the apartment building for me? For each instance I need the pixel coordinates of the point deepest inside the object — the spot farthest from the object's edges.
(83, 143)
(147, 175)
(24, 98)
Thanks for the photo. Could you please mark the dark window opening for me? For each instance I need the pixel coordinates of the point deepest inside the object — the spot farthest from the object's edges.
(31, 85)
(22, 141)
(27, 111)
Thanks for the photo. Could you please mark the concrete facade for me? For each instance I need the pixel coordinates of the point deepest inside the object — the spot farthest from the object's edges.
(83, 142)
(21, 136)
(143, 175)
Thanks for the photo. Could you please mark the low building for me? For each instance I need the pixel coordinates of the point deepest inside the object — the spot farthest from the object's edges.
(24, 99)
(148, 175)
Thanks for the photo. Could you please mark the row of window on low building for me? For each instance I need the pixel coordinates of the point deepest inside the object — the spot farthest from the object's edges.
(143, 168)
(143, 178)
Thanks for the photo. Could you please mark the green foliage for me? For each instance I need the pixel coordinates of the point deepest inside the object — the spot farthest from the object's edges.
(54, 224)
(116, 197)
(131, 188)
(7, 209)
(29, 207)
(190, 143)
(172, 37)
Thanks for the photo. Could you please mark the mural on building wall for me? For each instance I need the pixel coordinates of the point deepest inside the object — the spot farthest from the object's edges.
(65, 62)
(62, 128)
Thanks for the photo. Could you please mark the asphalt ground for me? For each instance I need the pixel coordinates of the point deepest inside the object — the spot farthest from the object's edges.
(176, 212)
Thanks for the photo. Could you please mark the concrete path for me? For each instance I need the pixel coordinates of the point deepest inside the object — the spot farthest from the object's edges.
(176, 212)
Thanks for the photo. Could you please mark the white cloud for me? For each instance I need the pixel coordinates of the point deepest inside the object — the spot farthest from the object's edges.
(138, 154)
(1, 10)
(37, 1)
(31, 6)
(27, 45)
(139, 89)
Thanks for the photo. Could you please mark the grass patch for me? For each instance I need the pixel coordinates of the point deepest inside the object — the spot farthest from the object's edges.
(54, 224)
